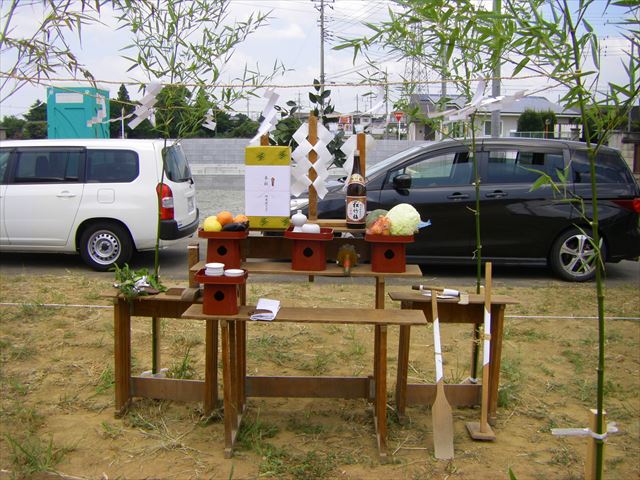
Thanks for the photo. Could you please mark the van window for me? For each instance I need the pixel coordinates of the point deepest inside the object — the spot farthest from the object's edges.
(176, 165)
(40, 166)
(112, 166)
(514, 166)
(610, 168)
(4, 162)
(452, 168)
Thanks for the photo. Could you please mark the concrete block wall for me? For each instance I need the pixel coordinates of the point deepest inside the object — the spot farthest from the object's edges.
(220, 156)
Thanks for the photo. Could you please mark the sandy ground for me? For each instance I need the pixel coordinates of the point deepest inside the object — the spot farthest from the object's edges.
(57, 397)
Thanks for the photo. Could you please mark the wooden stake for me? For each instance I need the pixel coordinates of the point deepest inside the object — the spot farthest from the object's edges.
(362, 149)
(482, 430)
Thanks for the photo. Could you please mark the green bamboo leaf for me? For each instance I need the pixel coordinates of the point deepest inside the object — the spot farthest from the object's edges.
(523, 63)
(313, 98)
(595, 50)
(542, 180)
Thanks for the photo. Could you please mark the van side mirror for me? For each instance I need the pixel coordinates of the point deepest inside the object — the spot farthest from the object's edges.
(402, 181)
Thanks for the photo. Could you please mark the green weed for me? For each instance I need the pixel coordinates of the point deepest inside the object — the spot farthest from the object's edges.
(319, 364)
(108, 430)
(511, 378)
(106, 381)
(183, 368)
(576, 359)
(32, 455)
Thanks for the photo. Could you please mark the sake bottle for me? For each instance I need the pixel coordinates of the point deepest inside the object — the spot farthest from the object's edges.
(356, 201)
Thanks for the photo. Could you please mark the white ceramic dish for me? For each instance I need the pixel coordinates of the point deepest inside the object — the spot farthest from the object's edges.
(215, 266)
(234, 272)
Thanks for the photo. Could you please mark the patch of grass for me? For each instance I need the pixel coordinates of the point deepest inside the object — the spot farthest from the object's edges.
(319, 364)
(576, 359)
(183, 368)
(563, 456)
(511, 378)
(304, 426)
(28, 418)
(269, 347)
(32, 455)
(106, 381)
(252, 435)
(108, 430)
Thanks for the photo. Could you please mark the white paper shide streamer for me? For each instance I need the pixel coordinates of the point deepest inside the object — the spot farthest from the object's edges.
(269, 114)
(349, 148)
(143, 110)
(300, 180)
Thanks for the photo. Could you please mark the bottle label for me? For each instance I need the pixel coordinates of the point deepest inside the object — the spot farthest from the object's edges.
(356, 209)
(356, 178)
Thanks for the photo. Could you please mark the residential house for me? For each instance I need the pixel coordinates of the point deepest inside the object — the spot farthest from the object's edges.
(419, 130)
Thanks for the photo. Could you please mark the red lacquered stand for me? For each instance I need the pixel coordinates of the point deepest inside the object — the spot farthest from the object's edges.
(388, 252)
(224, 247)
(309, 249)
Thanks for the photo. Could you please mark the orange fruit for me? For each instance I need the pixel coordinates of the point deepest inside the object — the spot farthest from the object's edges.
(240, 219)
(225, 217)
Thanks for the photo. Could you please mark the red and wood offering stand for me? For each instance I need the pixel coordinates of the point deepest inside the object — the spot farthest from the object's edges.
(224, 247)
(481, 430)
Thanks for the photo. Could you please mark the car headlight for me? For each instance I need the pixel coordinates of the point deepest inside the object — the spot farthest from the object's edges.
(299, 203)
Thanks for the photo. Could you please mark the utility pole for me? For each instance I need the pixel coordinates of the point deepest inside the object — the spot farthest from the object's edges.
(323, 36)
(495, 84)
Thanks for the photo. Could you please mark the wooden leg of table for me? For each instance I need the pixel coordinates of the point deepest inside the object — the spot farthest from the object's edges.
(380, 292)
(495, 351)
(403, 369)
(155, 345)
(122, 354)
(473, 372)
(240, 364)
(230, 415)
(381, 391)
(211, 367)
(242, 293)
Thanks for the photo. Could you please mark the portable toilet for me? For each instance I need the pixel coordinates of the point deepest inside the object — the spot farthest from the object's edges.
(77, 112)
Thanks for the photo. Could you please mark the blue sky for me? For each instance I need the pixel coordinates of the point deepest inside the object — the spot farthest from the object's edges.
(292, 37)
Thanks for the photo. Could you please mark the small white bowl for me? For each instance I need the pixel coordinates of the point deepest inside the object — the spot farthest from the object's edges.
(311, 228)
(213, 273)
(214, 265)
(234, 272)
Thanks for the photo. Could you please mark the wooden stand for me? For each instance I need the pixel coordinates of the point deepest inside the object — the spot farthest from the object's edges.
(238, 386)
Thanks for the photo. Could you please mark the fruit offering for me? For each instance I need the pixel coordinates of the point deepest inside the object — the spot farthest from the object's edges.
(224, 221)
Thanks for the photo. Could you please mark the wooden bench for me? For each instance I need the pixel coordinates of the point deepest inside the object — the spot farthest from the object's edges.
(238, 386)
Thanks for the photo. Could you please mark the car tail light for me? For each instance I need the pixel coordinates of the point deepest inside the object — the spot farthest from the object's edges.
(166, 201)
(631, 204)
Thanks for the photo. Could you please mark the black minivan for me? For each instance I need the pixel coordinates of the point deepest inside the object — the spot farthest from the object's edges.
(519, 225)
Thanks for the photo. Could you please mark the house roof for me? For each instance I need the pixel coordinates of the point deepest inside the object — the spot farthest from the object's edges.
(537, 103)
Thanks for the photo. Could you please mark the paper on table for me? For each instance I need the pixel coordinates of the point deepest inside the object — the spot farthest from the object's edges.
(268, 309)
(446, 293)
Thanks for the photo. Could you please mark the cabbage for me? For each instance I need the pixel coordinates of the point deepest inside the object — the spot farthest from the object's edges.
(404, 219)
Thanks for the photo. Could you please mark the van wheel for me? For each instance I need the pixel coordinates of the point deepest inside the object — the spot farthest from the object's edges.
(104, 245)
(573, 257)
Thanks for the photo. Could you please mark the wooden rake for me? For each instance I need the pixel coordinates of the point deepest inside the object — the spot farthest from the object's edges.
(481, 430)
(441, 415)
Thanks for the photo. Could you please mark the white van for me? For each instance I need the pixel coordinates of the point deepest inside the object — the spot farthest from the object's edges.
(97, 197)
